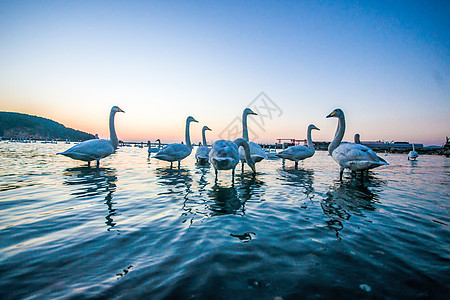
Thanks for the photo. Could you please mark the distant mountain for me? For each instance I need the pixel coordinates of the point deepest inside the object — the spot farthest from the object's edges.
(22, 126)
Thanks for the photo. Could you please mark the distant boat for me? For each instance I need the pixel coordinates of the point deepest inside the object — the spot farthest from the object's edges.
(413, 155)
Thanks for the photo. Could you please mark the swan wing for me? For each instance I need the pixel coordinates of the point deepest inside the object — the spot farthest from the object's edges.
(173, 152)
(224, 155)
(296, 153)
(202, 152)
(357, 157)
(256, 152)
(90, 150)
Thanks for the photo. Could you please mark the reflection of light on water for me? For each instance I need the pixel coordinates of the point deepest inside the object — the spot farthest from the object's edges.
(303, 178)
(89, 182)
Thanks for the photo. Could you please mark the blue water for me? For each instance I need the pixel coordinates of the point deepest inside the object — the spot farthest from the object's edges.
(135, 229)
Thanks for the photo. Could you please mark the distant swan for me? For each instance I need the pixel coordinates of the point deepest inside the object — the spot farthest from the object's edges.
(355, 157)
(96, 149)
(202, 154)
(224, 155)
(300, 152)
(154, 149)
(256, 152)
(177, 151)
(357, 139)
(412, 155)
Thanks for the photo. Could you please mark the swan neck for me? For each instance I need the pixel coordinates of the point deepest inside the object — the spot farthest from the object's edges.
(338, 135)
(112, 130)
(187, 135)
(244, 144)
(309, 139)
(204, 137)
(244, 126)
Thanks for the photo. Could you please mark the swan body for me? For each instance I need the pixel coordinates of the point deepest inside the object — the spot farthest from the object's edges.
(297, 153)
(224, 155)
(202, 154)
(355, 157)
(256, 151)
(412, 155)
(177, 151)
(96, 149)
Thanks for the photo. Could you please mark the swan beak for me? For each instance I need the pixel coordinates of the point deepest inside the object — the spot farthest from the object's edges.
(120, 110)
(316, 128)
(194, 120)
(253, 113)
(332, 114)
(209, 129)
(254, 169)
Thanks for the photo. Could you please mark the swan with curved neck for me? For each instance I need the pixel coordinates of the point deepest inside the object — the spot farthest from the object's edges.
(96, 149)
(412, 155)
(297, 153)
(357, 139)
(202, 154)
(154, 149)
(355, 157)
(224, 155)
(177, 151)
(256, 151)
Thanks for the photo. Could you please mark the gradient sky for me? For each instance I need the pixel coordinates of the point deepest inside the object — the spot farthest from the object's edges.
(385, 63)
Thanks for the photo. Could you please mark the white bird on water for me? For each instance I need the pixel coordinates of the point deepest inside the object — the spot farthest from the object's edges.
(177, 151)
(224, 155)
(300, 152)
(355, 157)
(202, 154)
(412, 155)
(154, 149)
(256, 151)
(96, 149)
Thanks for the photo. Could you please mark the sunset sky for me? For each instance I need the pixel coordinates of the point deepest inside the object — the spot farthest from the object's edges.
(385, 63)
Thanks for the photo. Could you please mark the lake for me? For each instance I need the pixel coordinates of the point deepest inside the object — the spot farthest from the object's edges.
(136, 229)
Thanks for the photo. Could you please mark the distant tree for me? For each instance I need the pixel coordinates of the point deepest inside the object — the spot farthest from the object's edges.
(17, 125)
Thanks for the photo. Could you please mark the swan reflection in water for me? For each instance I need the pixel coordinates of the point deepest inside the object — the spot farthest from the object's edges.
(177, 181)
(232, 199)
(91, 182)
(302, 178)
(350, 198)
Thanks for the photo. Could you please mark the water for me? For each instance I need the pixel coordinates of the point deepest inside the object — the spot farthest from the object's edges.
(136, 229)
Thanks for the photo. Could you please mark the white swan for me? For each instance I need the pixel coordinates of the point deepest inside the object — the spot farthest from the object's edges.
(412, 155)
(355, 157)
(224, 155)
(300, 152)
(256, 151)
(177, 151)
(202, 154)
(154, 149)
(96, 149)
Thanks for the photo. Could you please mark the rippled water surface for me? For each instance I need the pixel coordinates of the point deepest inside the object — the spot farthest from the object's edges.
(135, 229)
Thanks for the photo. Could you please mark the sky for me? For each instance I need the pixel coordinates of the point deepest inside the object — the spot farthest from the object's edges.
(386, 64)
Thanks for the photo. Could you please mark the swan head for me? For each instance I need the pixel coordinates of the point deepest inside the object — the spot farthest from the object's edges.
(116, 109)
(337, 113)
(158, 140)
(191, 119)
(312, 126)
(248, 111)
(206, 128)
